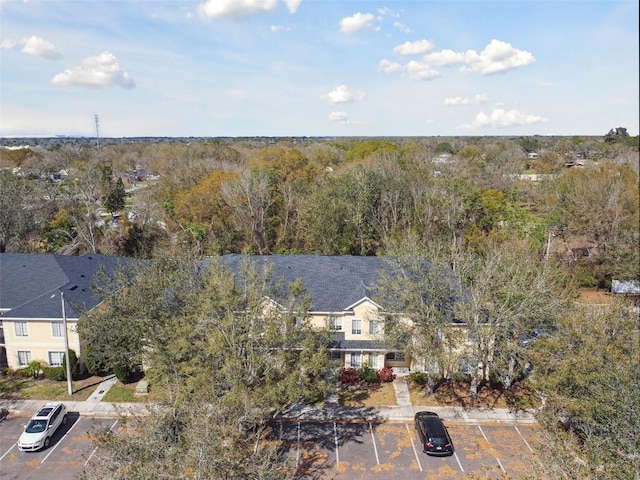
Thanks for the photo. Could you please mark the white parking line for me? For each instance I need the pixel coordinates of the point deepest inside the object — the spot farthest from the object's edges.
(458, 460)
(60, 441)
(7, 452)
(96, 449)
(414, 447)
(523, 439)
(497, 459)
(335, 439)
(375, 448)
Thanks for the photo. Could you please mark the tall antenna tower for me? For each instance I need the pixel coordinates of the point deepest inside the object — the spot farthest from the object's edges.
(97, 130)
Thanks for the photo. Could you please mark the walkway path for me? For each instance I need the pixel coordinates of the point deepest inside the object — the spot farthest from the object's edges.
(402, 392)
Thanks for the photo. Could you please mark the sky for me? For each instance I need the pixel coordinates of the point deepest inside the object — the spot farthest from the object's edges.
(290, 68)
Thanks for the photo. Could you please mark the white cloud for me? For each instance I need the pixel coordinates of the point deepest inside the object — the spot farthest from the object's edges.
(8, 43)
(497, 57)
(39, 47)
(445, 57)
(544, 84)
(278, 28)
(421, 71)
(501, 118)
(388, 66)
(292, 5)
(237, 8)
(356, 22)
(341, 117)
(418, 47)
(402, 27)
(100, 71)
(461, 101)
(341, 94)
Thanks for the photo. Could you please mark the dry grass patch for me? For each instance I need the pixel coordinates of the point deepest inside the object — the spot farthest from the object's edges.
(367, 395)
(456, 394)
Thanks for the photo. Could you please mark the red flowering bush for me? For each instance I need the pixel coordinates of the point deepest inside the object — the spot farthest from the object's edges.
(349, 376)
(386, 374)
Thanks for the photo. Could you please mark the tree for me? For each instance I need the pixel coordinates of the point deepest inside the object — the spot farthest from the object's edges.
(589, 371)
(226, 351)
(16, 220)
(116, 196)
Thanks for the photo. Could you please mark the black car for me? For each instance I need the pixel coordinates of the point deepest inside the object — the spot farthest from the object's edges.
(433, 434)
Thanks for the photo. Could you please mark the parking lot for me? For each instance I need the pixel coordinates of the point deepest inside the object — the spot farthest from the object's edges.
(70, 449)
(392, 450)
(329, 450)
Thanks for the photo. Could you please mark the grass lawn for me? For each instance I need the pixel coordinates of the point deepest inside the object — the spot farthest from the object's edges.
(367, 395)
(15, 387)
(453, 393)
(123, 393)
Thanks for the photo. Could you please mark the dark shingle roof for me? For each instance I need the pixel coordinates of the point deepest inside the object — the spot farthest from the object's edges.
(335, 282)
(339, 343)
(30, 284)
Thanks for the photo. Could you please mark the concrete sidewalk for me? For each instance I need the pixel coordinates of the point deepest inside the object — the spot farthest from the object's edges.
(329, 411)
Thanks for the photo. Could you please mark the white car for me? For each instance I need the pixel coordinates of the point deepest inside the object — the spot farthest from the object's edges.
(38, 432)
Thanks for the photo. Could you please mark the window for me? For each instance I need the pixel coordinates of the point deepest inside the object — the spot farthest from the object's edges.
(396, 356)
(21, 329)
(335, 323)
(24, 358)
(55, 359)
(335, 355)
(466, 365)
(356, 359)
(374, 327)
(356, 326)
(57, 329)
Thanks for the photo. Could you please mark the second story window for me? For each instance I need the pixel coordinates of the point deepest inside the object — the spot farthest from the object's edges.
(21, 329)
(356, 326)
(335, 324)
(374, 327)
(57, 329)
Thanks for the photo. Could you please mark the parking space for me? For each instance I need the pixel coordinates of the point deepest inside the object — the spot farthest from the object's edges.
(67, 455)
(329, 450)
(392, 450)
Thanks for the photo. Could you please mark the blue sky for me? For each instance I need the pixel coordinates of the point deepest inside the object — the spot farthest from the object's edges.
(317, 68)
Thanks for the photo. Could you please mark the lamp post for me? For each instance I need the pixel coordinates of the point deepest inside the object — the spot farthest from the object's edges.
(66, 346)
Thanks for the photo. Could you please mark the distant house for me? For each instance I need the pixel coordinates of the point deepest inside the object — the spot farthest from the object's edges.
(31, 319)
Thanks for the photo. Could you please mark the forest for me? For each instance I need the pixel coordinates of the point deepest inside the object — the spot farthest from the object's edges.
(572, 197)
(527, 223)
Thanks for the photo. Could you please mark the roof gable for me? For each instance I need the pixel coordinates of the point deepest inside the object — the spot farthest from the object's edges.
(30, 284)
(336, 283)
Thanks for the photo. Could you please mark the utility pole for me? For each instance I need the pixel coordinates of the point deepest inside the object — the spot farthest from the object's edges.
(97, 119)
(66, 346)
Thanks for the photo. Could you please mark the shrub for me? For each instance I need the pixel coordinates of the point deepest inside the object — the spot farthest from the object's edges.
(123, 372)
(419, 378)
(348, 376)
(385, 374)
(367, 374)
(462, 377)
(73, 362)
(94, 362)
(35, 367)
(24, 372)
(55, 373)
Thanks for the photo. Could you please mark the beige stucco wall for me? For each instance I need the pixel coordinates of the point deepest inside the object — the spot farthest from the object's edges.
(39, 340)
